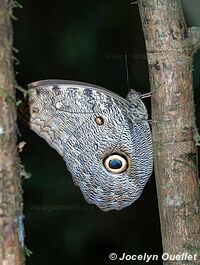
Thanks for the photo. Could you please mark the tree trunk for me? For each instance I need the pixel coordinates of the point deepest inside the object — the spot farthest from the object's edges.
(11, 228)
(170, 47)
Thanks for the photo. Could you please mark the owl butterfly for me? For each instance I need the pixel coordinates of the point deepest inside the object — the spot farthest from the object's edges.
(104, 139)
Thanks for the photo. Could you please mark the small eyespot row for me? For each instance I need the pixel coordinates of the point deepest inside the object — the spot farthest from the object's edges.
(35, 110)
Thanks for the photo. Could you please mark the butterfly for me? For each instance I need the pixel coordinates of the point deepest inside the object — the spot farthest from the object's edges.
(104, 139)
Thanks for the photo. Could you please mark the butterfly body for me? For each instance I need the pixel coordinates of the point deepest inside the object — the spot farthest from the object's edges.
(104, 139)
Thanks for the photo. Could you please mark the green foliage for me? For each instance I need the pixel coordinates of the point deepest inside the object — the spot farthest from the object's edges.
(194, 250)
(21, 89)
(16, 60)
(135, 3)
(6, 95)
(14, 4)
(27, 252)
(18, 102)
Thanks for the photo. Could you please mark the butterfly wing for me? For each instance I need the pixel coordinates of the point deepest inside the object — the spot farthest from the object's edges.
(88, 125)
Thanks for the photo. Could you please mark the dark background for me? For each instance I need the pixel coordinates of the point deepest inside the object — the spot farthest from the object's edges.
(83, 41)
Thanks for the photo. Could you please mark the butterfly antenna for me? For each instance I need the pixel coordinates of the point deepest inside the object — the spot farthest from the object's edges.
(126, 70)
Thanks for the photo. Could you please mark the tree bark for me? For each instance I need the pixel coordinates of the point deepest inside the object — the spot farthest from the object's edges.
(11, 228)
(170, 47)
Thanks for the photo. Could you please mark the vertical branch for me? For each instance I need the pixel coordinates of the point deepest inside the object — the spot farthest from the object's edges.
(10, 192)
(170, 46)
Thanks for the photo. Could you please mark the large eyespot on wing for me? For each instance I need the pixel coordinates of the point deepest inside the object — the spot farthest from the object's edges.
(116, 163)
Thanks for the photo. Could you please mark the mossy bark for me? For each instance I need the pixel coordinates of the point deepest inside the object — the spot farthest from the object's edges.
(10, 193)
(170, 47)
